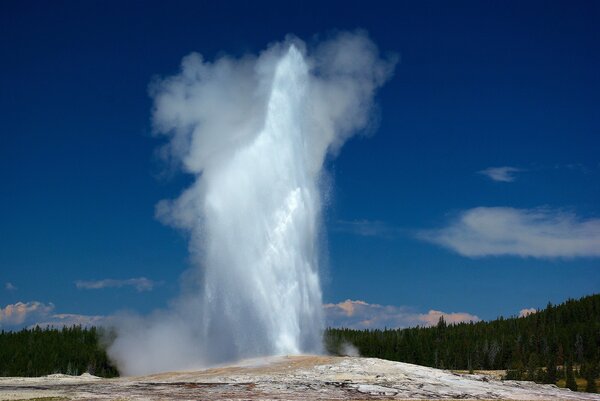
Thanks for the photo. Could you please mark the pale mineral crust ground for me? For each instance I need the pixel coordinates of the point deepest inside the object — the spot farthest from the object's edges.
(289, 378)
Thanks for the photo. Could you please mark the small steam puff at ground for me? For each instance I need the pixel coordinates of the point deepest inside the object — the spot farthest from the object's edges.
(254, 132)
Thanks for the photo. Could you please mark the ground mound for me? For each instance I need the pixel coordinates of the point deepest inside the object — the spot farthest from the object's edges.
(291, 378)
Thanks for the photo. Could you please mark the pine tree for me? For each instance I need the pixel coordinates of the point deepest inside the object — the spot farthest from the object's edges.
(571, 383)
(551, 374)
(532, 367)
(590, 377)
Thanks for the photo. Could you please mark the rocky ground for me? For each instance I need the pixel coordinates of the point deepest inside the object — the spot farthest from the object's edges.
(289, 378)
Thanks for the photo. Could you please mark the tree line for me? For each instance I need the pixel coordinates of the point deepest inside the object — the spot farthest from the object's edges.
(558, 342)
(38, 352)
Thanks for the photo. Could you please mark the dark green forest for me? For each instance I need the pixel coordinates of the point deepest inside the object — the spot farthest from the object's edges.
(558, 342)
(37, 352)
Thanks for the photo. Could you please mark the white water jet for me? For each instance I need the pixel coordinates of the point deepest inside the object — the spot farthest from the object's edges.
(255, 133)
(261, 209)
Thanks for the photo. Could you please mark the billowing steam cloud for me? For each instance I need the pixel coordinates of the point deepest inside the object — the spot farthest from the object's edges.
(254, 132)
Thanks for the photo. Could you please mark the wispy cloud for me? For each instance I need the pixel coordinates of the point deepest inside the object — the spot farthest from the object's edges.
(34, 313)
(20, 312)
(576, 167)
(527, 312)
(69, 319)
(365, 228)
(538, 233)
(140, 284)
(363, 315)
(501, 174)
(10, 287)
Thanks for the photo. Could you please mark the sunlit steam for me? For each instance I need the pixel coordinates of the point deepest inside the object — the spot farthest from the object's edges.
(254, 132)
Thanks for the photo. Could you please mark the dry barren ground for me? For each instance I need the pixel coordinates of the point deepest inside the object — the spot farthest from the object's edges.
(288, 378)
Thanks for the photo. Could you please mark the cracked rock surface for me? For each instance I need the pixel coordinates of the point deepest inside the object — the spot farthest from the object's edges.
(289, 378)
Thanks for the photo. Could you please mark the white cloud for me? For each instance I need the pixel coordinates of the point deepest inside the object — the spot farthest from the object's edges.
(432, 317)
(538, 233)
(140, 284)
(527, 312)
(20, 313)
(68, 319)
(365, 228)
(501, 174)
(10, 287)
(34, 313)
(362, 315)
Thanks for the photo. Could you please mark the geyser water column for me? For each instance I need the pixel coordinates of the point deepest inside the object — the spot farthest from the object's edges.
(254, 133)
(261, 209)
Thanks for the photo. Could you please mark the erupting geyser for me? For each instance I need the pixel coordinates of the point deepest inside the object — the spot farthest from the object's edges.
(254, 132)
(261, 208)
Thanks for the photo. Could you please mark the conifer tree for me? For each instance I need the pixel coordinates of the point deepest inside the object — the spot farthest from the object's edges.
(570, 377)
(551, 374)
(590, 378)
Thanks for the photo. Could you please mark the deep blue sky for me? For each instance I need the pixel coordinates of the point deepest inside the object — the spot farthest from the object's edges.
(480, 84)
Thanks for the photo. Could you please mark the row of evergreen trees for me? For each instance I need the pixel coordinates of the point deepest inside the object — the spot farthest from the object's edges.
(37, 352)
(559, 341)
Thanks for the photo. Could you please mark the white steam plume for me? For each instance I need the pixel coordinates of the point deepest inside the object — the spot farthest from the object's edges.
(254, 132)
